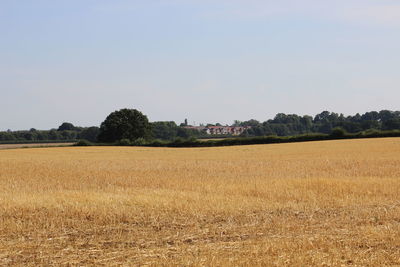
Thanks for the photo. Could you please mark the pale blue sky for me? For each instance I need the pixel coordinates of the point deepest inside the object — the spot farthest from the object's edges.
(208, 61)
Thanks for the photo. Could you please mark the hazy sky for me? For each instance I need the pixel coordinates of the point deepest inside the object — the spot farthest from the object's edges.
(205, 60)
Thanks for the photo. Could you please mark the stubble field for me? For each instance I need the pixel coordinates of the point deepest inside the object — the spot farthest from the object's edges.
(325, 203)
(13, 146)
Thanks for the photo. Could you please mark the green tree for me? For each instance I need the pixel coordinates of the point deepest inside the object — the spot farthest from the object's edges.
(54, 135)
(252, 123)
(391, 124)
(124, 124)
(66, 126)
(338, 132)
(166, 130)
(89, 134)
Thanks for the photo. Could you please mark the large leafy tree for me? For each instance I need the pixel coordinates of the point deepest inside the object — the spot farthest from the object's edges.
(124, 124)
(66, 126)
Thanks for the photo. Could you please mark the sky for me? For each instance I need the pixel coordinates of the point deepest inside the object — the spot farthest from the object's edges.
(205, 60)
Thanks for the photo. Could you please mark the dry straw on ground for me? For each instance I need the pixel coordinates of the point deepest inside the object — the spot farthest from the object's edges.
(12, 146)
(326, 203)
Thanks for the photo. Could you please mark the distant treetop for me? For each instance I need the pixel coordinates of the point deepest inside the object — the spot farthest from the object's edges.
(66, 126)
(128, 124)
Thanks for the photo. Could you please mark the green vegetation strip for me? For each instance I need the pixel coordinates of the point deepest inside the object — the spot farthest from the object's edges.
(336, 134)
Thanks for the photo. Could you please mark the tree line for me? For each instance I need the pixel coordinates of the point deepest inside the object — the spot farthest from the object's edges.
(128, 124)
(65, 132)
(131, 126)
(324, 122)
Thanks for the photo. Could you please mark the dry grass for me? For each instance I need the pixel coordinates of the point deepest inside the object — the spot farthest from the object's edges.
(12, 146)
(326, 203)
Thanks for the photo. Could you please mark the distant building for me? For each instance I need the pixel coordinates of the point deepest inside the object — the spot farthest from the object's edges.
(219, 130)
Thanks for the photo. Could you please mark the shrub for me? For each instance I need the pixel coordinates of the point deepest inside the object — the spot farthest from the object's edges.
(139, 142)
(84, 143)
(338, 132)
(124, 142)
(158, 143)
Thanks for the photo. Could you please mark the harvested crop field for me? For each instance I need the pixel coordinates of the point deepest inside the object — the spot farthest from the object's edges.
(325, 203)
(12, 146)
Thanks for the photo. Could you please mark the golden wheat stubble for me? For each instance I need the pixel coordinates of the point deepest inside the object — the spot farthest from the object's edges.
(319, 203)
